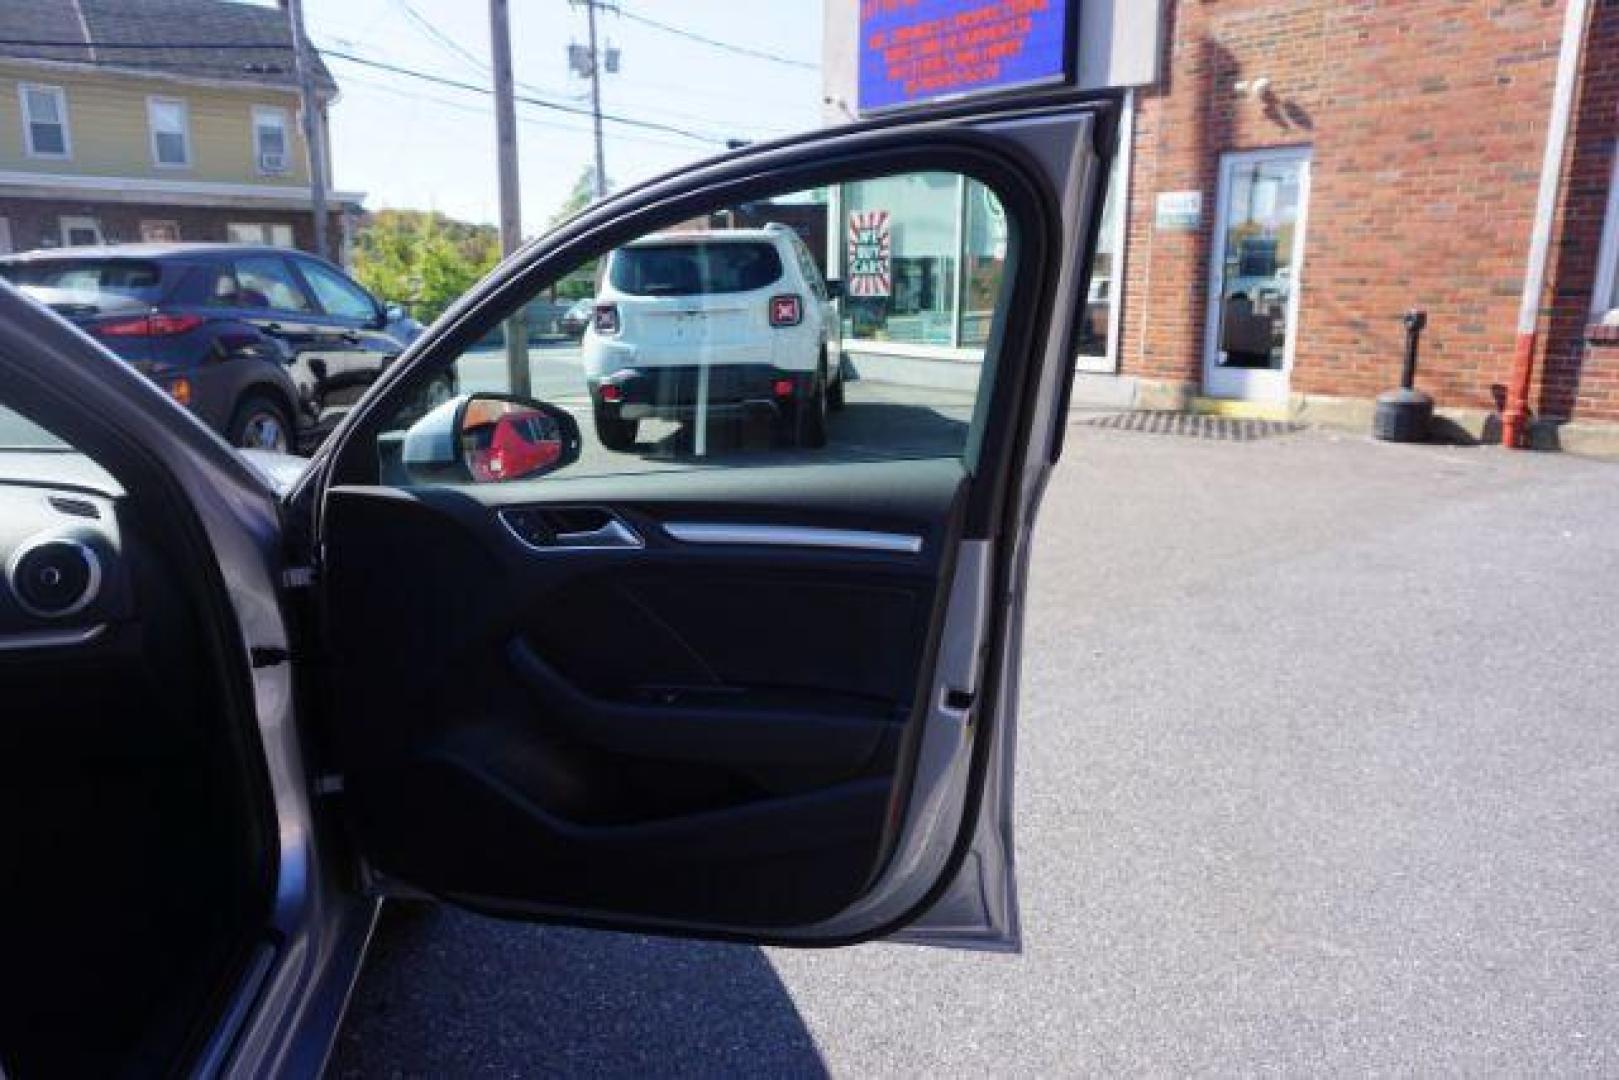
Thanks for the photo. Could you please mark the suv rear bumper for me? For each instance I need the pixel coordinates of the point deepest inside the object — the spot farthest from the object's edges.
(672, 393)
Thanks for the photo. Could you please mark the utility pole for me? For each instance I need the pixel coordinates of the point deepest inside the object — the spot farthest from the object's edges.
(314, 123)
(511, 217)
(596, 101)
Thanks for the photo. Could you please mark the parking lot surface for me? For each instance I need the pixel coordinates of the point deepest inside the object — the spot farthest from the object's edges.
(1318, 773)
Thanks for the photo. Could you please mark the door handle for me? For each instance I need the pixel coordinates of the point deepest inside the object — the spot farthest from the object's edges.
(272, 328)
(350, 337)
(614, 534)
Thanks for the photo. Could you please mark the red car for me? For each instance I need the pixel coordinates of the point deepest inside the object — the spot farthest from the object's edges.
(512, 444)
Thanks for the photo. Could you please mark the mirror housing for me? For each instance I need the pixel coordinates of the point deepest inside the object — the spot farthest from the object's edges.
(489, 439)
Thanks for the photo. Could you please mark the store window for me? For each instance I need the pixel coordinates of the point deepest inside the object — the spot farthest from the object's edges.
(160, 232)
(1096, 326)
(902, 242)
(268, 233)
(984, 239)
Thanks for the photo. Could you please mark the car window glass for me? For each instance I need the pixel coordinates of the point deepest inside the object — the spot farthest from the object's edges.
(701, 351)
(812, 273)
(337, 295)
(264, 281)
(680, 265)
(91, 278)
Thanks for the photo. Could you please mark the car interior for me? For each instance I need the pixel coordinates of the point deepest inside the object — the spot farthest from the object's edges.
(135, 866)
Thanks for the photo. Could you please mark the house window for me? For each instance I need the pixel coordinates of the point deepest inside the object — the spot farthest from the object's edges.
(160, 232)
(1606, 299)
(80, 231)
(273, 233)
(44, 121)
(270, 139)
(171, 136)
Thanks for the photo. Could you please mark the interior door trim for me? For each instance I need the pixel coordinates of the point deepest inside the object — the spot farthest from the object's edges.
(692, 532)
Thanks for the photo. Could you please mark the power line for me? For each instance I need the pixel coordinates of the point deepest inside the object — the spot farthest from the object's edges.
(443, 39)
(457, 84)
(740, 50)
(473, 110)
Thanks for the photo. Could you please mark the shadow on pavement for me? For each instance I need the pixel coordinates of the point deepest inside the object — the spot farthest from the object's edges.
(450, 994)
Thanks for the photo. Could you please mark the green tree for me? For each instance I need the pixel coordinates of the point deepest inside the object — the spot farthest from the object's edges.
(579, 283)
(423, 259)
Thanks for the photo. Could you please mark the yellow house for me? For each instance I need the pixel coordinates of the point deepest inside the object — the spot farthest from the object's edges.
(125, 121)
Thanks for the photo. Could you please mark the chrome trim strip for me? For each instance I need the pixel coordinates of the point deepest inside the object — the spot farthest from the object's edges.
(51, 639)
(793, 536)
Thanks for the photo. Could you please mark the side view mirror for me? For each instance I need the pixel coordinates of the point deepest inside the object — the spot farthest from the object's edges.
(834, 289)
(489, 439)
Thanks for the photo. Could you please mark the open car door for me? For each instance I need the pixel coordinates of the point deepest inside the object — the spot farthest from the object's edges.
(712, 628)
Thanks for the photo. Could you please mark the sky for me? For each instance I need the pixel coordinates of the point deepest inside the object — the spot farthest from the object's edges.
(405, 143)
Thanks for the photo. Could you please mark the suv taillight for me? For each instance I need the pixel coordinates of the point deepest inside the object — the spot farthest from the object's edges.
(605, 319)
(150, 326)
(786, 310)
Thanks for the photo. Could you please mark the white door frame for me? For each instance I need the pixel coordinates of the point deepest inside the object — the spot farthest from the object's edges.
(1250, 384)
(68, 222)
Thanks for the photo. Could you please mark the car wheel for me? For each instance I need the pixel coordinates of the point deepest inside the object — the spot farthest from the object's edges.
(615, 432)
(834, 391)
(261, 424)
(809, 416)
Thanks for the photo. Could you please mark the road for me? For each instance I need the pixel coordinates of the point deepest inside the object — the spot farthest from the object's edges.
(1318, 773)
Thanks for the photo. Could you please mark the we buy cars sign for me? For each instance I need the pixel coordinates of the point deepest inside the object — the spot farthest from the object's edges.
(917, 51)
(870, 253)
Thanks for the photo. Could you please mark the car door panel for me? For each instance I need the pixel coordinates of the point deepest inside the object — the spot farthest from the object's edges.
(704, 709)
(623, 735)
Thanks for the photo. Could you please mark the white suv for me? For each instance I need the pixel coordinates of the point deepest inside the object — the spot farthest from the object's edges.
(738, 319)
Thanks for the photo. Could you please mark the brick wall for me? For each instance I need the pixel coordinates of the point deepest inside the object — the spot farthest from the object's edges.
(1579, 368)
(1427, 121)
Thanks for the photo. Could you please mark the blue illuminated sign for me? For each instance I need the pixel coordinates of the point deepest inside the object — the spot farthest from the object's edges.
(915, 51)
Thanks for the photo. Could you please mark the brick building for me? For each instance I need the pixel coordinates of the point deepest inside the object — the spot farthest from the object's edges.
(1296, 174)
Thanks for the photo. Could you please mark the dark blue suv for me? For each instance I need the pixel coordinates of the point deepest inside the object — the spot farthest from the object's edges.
(267, 346)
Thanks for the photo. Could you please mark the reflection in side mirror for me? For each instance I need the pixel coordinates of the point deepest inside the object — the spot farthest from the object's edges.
(488, 439)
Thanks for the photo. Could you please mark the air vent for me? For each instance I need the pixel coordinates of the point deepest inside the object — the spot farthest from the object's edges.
(75, 507)
(55, 578)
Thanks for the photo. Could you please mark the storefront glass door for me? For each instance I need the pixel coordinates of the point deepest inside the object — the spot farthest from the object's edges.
(1255, 274)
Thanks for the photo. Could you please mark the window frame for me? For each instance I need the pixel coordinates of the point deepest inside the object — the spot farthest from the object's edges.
(63, 120)
(153, 101)
(66, 223)
(266, 234)
(284, 119)
(1605, 294)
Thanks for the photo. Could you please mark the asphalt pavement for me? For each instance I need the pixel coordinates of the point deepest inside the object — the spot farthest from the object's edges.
(1318, 773)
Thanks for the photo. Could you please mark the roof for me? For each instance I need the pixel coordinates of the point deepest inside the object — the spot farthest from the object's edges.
(710, 236)
(147, 30)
